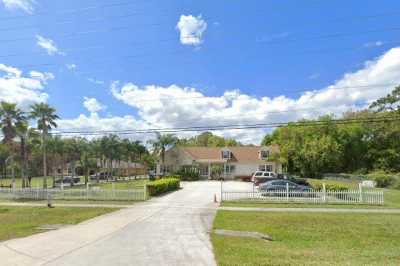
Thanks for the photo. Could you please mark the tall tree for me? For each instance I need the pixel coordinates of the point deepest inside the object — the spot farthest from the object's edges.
(390, 102)
(162, 143)
(22, 132)
(46, 120)
(11, 118)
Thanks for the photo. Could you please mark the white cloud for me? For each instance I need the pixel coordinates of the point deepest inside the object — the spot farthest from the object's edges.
(95, 122)
(71, 66)
(25, 5)
(191, 29)
(42, 76)
(49, 45)
(373, 44)
(10, 71)
(156, 105)
(16, 88)
(95, 81)
(93, 105)
(314, 76)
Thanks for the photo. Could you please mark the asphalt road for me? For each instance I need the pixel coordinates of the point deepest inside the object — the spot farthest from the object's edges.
(170, 230)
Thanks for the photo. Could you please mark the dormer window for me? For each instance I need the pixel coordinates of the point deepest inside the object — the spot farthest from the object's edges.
(264, 154)
(226, 154)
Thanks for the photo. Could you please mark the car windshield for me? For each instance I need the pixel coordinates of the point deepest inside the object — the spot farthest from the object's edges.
(258, 174)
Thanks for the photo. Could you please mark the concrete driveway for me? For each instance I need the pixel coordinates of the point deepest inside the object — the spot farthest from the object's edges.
(170, 230)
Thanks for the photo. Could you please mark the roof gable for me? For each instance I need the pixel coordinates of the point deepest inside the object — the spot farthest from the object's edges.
(239, 154)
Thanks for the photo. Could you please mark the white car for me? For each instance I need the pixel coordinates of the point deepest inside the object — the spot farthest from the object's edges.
(262, 175)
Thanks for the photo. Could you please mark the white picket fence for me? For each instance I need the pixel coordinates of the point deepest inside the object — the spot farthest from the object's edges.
(137, 194)
(357, 196)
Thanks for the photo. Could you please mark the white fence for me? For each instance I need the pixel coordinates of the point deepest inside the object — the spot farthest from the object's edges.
(359, 196)
(137, 194)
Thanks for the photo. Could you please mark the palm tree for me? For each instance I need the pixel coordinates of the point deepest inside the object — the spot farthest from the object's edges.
(162, 143)
(11, 118)
(46, 116)
(22, 132)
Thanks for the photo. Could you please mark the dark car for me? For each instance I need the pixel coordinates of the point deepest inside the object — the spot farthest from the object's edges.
(282, 184)
(68, 180)
(99, 176)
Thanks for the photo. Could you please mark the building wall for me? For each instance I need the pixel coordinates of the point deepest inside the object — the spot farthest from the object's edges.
(175, 158)
(247, 169)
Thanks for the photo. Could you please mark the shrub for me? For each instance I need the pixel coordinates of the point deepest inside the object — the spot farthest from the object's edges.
(162, 186)
(188, 174)
(384, 181)
(318, 185)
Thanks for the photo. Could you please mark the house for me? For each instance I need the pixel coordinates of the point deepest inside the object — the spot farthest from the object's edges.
(120, 168)
(235, 162)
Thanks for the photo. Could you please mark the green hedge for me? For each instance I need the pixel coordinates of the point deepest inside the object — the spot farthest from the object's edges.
(162, 186)
(329, 185)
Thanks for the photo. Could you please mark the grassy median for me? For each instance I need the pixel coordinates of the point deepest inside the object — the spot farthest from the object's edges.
(24, 221)
(309, 239)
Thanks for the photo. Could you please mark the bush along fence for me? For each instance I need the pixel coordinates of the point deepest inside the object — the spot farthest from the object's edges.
(323, 196)
(162, 186)
(137, 194)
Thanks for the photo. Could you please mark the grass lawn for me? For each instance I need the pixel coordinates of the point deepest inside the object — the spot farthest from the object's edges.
(24, 221)
(55, 202)
(309, 239)
(131, 184)
(36, 182)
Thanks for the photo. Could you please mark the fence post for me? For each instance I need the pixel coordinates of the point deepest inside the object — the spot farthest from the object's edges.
(145, 192)
(48, 199)
(87, 191)
(221, 191)
(113, 190)
(360, 190)
(324, 192)
(287, 192)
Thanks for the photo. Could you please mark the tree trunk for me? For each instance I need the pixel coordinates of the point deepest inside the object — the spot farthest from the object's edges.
(44, 158)
(54, 176)
(12, 172)
(23, 165)
(62, 172)
(163, 160)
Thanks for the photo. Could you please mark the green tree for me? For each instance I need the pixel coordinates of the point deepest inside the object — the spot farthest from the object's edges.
(46, 120)
(162, 143)
(390, 102)
(11, 118)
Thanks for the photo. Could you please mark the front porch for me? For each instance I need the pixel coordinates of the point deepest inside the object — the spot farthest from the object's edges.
(215, 170)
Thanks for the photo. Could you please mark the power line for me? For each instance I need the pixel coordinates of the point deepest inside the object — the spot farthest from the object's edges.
(233, 127)
(104, 18)
(128, 57)
(250, 114)
(71, 11)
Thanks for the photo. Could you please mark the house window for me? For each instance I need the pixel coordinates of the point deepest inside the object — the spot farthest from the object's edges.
(265, 168)
(264, 155)
(229, 169)
(166, 169)
(226, 155)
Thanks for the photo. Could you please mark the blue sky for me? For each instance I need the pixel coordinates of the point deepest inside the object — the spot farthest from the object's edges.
(122, 64)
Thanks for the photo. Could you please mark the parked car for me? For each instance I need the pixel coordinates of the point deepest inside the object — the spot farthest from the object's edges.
(99, 176)
(68, 180)
(262, 177)
(281, 184)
